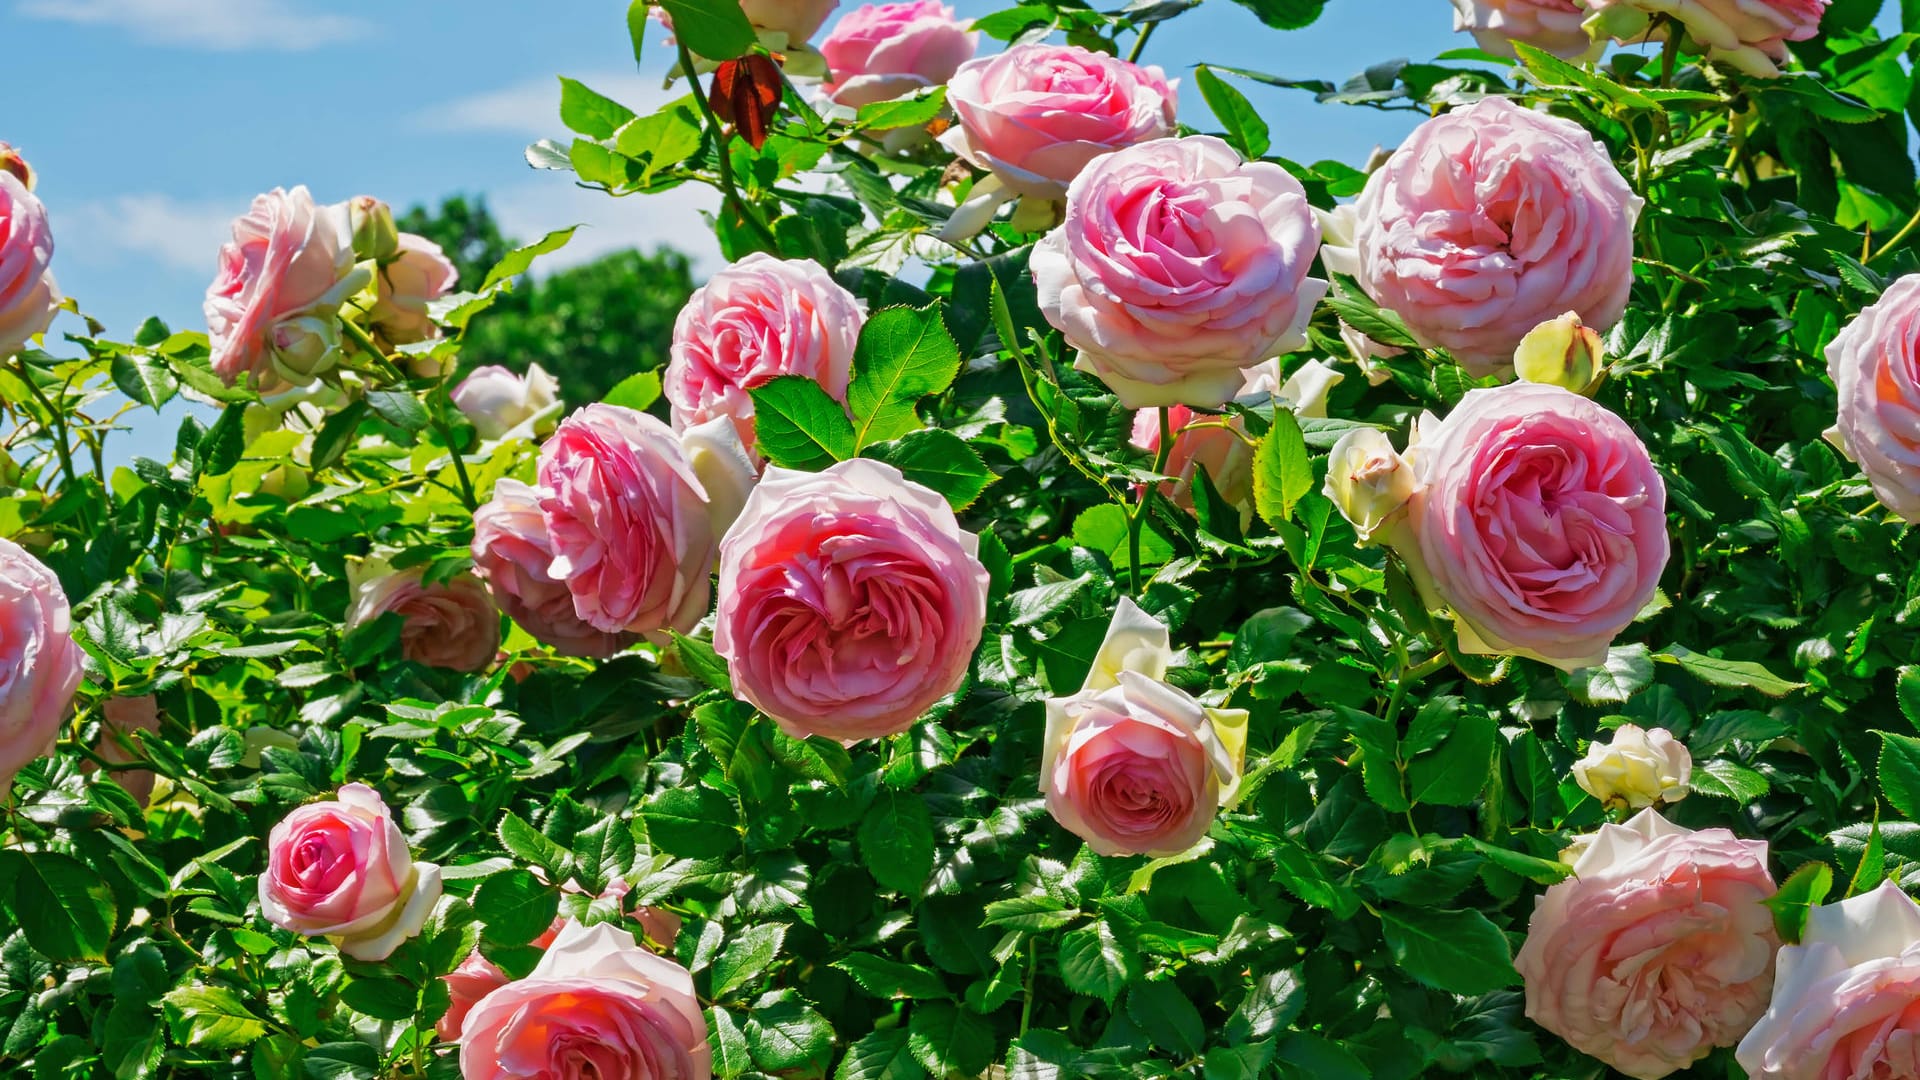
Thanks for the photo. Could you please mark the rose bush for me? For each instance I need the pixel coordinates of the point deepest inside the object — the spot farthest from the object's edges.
(1011, 645)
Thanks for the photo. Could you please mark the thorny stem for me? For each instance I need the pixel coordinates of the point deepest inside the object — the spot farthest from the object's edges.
(59, 423)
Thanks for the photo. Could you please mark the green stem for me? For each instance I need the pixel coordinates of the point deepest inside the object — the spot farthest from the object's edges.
(1668, 53)
(1140, 43)
(1905, 231)
(59, 423)
(732, 191)
(1136, 517)
(365, 341)
(372, 348)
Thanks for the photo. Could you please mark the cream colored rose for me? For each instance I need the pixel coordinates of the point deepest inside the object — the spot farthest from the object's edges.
(1639, 768)
(1368, 481)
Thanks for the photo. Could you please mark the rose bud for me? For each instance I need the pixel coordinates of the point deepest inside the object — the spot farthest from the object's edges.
(341, 870)
(746, 93)
(502, 404)
(417, 275)
(1750, 36)
(1562, 352)
(1368, 482)
(1637, 769)
(374, 233)
(12, 162)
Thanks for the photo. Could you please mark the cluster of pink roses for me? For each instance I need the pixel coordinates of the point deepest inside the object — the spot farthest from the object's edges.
(1749, 35)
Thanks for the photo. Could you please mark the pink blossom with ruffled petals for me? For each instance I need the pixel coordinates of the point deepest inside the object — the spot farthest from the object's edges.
(450, 624)
(28, 295)
(1875, 366)
(512, 554)
(883, 51)
(40, 663)
(1553, 25)
(341, 869)
(282, 279)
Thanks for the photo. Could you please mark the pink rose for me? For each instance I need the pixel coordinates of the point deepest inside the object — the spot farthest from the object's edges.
(502, 404)
(634, 515)
(797, 19)
(1748, 35)
(28, 296)
(1179, 267)
(1540, 521)
(449, 624)
(39, 661)
(850, 600)
(883, 51)
(341, 870)
(754, 320)
(121, 717)
(1035, 115)
(1219, 443)
(1131, 764)
(511, 553)
(282, 279)
(597, 1005)
(1846, 1000)
(1487, 222)
(1876, 370)
(1553, 25)
(1658, 948)
(418, 275)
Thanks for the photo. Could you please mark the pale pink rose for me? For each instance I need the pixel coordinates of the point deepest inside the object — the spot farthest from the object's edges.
(1875, 367)
(759, 318)
(449, 624)
(500, 403)
(1846, 999)
(39, 661)
(1748, 35)
(1540, 520)
(1131, 764)
(28, 296)
(1219, 443)
(597, 1005)
(883, 51)
(1658, 948)
(341, 870)
(1179, 267)
(634, 515)
(1035, 115)
(797, 19)
(282, 279)
(850, 600)
(122, 716)
(1487, 222)
(1553, 25)
(419, 274)
(511, 553)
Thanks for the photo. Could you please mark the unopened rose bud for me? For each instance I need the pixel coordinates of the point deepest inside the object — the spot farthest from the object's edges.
(746, 94)
(1367, 480)
(1637, 769)
(374, 234)
(305, 347)
(1561, 352)
(11, 161)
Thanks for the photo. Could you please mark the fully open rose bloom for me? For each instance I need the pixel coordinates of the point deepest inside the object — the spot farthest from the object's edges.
(634, 514)
(883, 51)
(1178, 267)
(341, 870)
(1486, 222)
(851, 600)
(512, 553)
(596, 1005)
(419, 274)
(283, 276)
(1539, 519)
(500, 403)
(1658, 948)
(1636, 768)
(1132, 765)
(28, 296)
(1750, 35)
(1219, 443)
(1875, 365)
(1846, 1000)
(1553, 25)
(756, 319)
(39, 661)
(1035, 115)
(449, 624)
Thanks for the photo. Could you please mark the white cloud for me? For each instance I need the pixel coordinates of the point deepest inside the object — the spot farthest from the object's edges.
(532, 108)
(176, 234)
(222, 25)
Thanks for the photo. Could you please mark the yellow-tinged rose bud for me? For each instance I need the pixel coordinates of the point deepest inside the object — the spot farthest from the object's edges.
(1368, 481)
(1639, 768)
(1561, 352)
(12, 162)
(374, 234)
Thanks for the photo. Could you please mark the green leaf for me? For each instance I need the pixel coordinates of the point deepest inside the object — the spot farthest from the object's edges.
(1246, 131)
(66, 910)
(1306, 875)
(515, 906)
(144, 379)
(896, 842)
(380, 998)
(1319, 1057)
(1361, 313)
(880, 1055)
(516, 262)
(662, 139)
(399, 408)
(746, 957)
(211, 1017)
(1627, 671)
(1460, 952)
(220, 448)
(948, 1040)
(694, 822)
(785, 1035)
(701, 661)
(1727, 779)
(797, 426)
(884, 978)
(635, 391)
(638, 15)
(715, 29)
(338, 433)
(590, 113)
(1806, 889)
(1547, 69)
(940, 460)
(902, 112)
(730, 1054)
(528, 844)
(904, 354)
(1286, 14)
(1095, 963)
(1907, 690)
(602, 852)
(1872, 869)
(1735, 673)
(1900, 773)
(1455, 774)
(1167, 1016)
(1282, 472)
